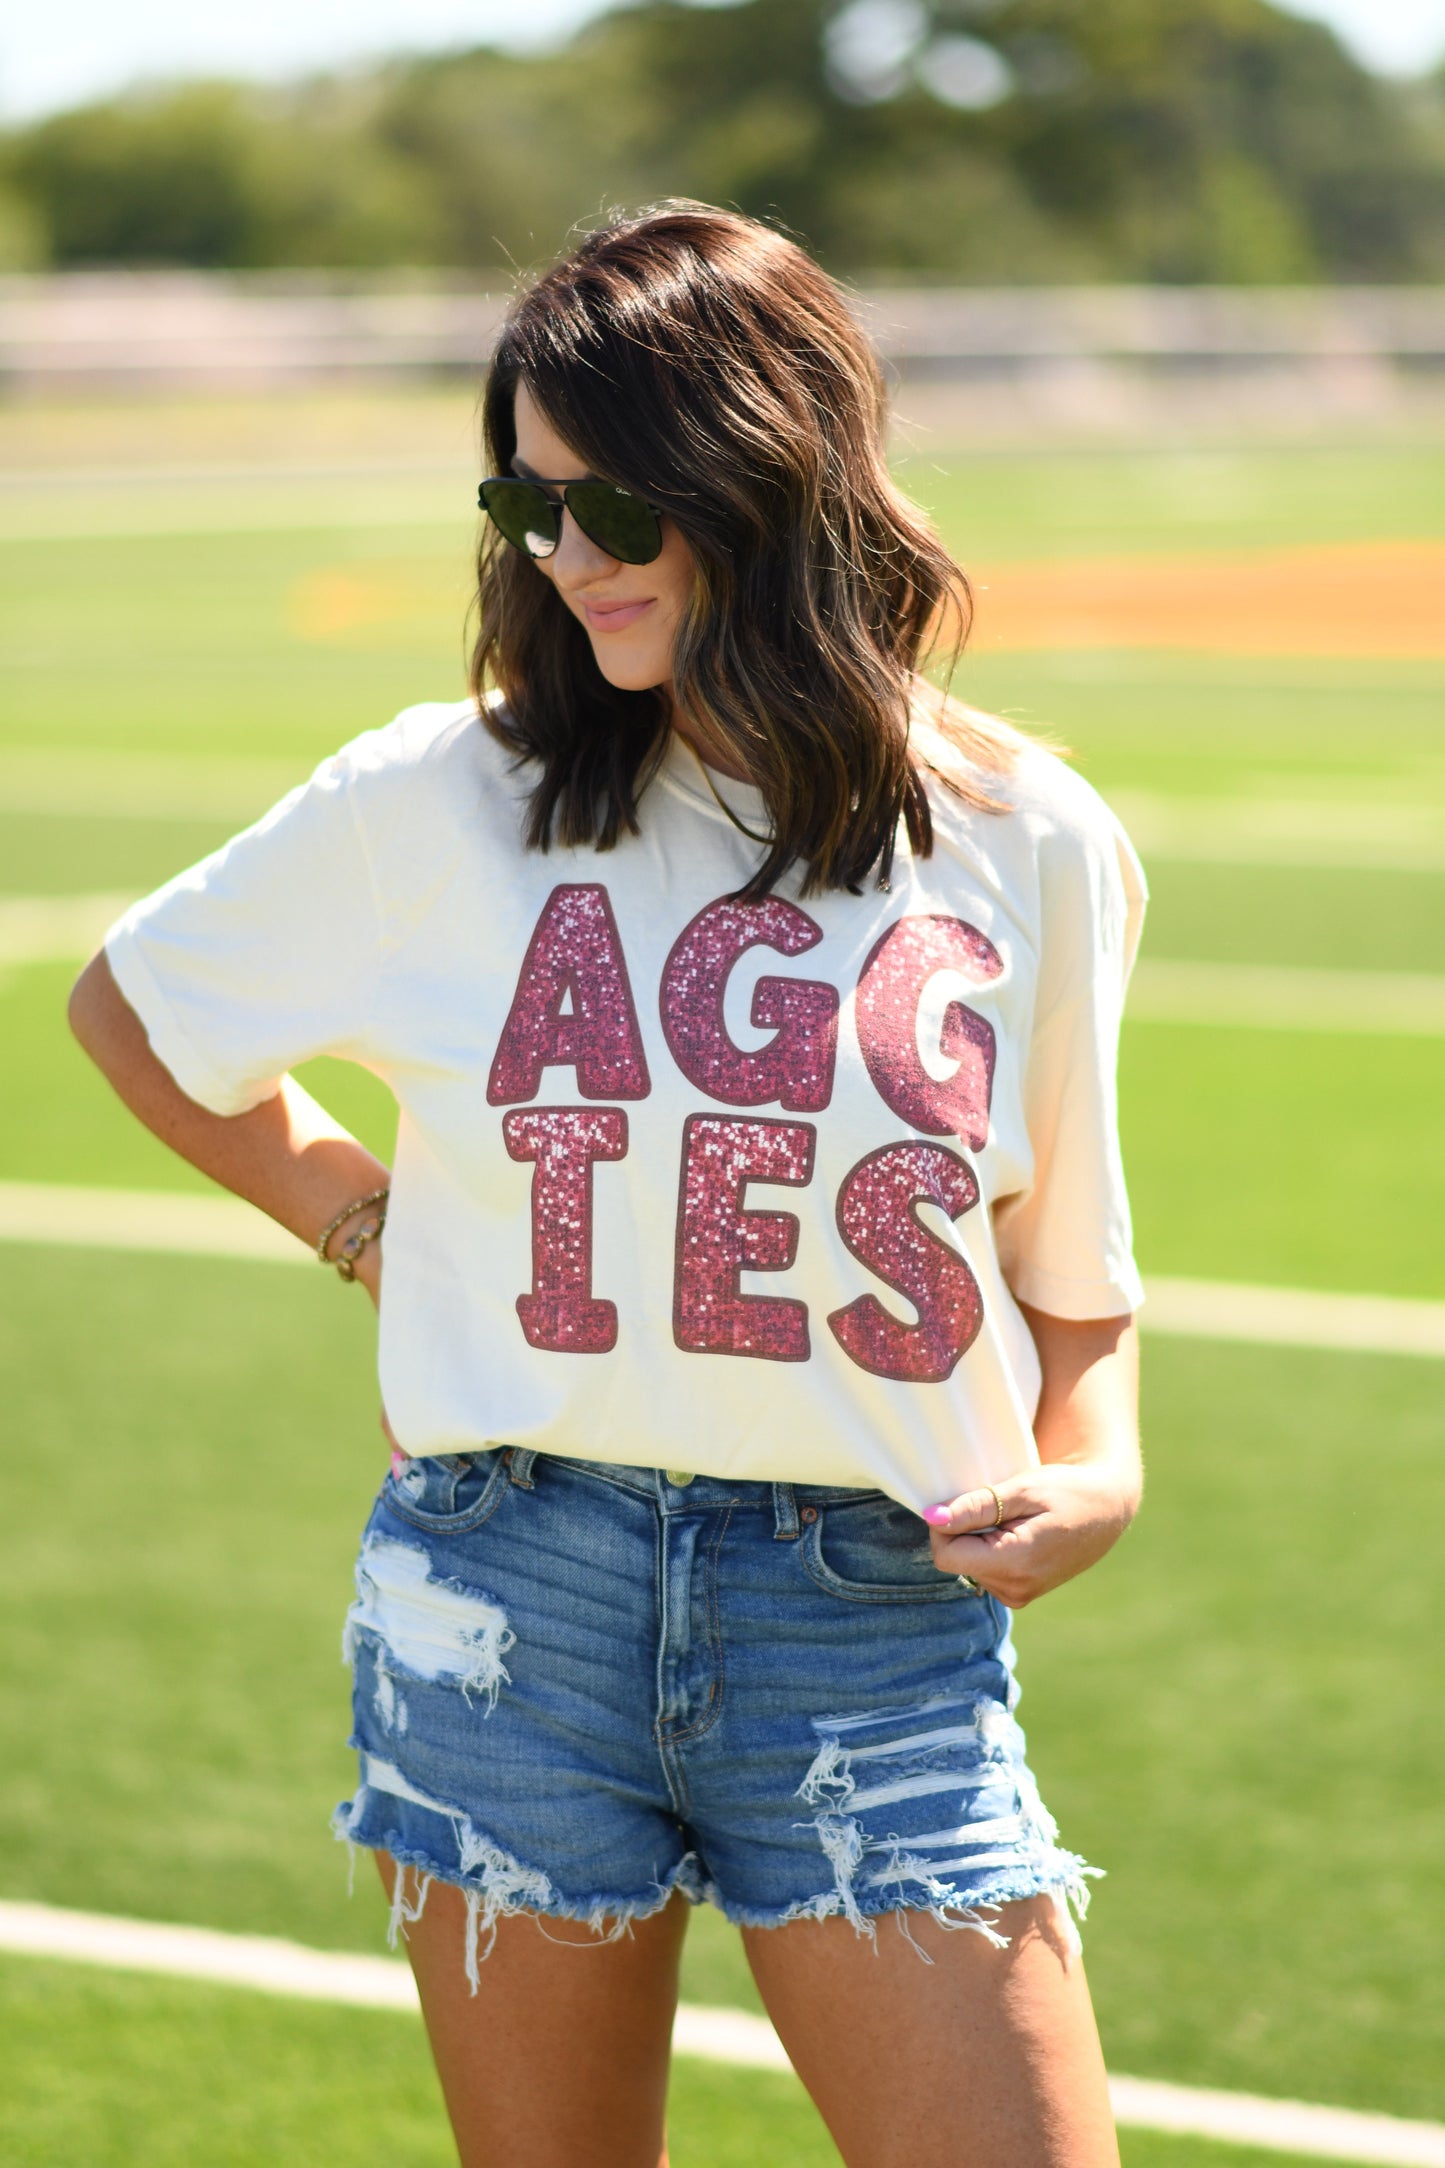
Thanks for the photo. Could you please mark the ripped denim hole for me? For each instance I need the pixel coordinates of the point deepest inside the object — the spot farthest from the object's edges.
(423, 1628)
(955, 1745)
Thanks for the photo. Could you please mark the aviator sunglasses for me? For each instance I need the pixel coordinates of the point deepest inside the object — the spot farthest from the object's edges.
(626, 527)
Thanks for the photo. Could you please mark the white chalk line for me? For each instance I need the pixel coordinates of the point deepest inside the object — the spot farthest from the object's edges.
(1294, 1317)
(1267, 997)
(171, 1222)
(272, 1966)
(179, 1224)
(57, 929)
(1280, 997)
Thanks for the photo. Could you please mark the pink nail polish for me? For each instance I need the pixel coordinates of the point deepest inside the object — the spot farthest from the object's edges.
(937, 1516)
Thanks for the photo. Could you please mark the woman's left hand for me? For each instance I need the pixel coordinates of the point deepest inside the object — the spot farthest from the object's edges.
(1058, 1520)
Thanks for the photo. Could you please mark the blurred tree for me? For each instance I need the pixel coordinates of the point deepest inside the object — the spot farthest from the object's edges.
(1184, 140)
(215, 174)
(325, 188)
(24, 243)
(165, 179)
(511, 152)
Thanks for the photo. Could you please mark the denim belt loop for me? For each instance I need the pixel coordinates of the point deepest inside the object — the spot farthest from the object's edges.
(519, 1465)
(785, 1514)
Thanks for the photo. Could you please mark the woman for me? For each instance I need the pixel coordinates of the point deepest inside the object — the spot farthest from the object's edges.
(752, 1013)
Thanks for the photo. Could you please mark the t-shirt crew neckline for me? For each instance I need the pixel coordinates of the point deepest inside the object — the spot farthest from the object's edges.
(687, 775)
(743, 809)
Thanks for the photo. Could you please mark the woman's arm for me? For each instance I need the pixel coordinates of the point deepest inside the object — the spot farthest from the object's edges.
(1063, 1516)
(287, 1155)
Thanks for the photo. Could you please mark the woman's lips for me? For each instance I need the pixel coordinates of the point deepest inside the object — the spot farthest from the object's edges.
(615, 616)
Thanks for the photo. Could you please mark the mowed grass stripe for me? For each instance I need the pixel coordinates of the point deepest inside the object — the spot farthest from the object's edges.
(217, 511)
(111, 2068)
(1311, 834)
(272, 1966)
(127, 786)
(1277, 830)
(69, 1216)
(1270, 997)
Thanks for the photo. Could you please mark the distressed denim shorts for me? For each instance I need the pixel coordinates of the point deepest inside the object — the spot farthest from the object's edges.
(581, 1687)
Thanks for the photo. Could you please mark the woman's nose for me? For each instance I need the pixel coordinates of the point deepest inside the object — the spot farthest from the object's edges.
(577, 557)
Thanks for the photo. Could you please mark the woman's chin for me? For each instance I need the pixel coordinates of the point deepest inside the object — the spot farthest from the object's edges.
(631, 674)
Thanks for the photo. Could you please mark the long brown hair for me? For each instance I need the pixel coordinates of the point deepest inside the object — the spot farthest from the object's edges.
(707, 363)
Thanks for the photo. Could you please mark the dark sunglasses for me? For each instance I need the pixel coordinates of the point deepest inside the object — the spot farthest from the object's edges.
(522, 512)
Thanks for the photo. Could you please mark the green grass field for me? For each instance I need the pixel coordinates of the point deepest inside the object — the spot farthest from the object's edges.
(1234, 1715)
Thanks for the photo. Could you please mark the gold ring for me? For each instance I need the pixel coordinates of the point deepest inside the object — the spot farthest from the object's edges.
(997, 1521)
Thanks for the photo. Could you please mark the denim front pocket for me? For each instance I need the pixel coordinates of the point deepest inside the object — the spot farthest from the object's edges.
(873, 1550)
(446, 1491)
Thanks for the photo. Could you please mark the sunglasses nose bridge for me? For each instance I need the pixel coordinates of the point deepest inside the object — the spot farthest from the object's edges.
(597, 549)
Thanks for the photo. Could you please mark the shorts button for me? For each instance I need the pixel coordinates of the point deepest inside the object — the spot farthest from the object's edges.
(679, 1476)
(809, 1513)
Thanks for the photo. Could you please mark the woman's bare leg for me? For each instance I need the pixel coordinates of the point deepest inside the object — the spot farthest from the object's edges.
(561, 2056)
(986, 2057)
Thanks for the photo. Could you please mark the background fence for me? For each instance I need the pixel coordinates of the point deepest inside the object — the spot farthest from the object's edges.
(1084, 353)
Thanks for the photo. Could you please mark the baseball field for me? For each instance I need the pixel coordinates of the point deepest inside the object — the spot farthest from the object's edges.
(1237, 1715)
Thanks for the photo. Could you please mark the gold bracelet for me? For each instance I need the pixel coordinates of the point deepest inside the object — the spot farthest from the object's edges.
(351, 1249)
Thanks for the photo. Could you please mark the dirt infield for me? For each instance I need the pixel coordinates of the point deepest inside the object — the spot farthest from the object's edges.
(382, 604)
(1382, 599)
(1358, 598)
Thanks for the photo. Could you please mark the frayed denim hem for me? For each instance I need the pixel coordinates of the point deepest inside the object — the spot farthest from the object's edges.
(497, 1886)
(1064, 1877)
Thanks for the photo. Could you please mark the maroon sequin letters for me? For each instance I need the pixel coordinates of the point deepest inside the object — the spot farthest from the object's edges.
(717, 1239)
(878, 1219)
(575, 953)
(890, 989)
(796, 1066)
(561, 1312)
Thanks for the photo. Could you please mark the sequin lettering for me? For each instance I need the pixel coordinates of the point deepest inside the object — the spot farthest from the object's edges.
(573, 1007)
(890, 989)
(878, 1219)
(796, 1066)
(717, 1239)
(561, 1312)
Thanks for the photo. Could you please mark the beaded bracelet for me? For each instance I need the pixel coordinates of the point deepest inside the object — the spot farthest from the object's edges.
(351, 1249)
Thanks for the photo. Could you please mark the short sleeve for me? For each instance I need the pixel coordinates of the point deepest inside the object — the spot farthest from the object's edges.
(261, 956)
(1066, 1244)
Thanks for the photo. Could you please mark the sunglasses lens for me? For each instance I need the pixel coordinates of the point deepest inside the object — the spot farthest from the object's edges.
(524, 514)
(616, 521)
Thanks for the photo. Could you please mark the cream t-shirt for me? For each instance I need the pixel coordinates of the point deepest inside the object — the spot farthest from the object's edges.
(750, 1189)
